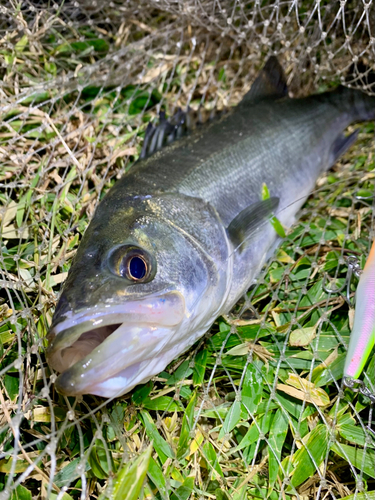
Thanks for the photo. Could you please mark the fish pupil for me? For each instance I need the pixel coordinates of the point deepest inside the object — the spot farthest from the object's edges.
(137, 268)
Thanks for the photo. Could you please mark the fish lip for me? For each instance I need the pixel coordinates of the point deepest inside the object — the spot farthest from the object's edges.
(65, 332)
(141, 325)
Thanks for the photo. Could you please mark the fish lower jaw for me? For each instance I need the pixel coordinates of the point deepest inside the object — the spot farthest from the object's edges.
(62, 359)
(114, 386)
(140, 370)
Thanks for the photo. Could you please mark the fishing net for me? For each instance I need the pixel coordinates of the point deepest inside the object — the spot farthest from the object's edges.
(257, 408)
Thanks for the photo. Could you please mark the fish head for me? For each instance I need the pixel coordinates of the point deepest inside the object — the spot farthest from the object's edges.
(125, 310)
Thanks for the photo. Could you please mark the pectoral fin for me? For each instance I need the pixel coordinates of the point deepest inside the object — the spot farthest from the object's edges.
(342, 144)
(251, 219)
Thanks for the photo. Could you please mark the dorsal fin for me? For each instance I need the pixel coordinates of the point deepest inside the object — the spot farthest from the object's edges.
(165, 132)
(171, 129)
(270, 83)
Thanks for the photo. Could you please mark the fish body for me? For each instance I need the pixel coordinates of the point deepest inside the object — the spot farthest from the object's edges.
(362, 337)
(179, 239)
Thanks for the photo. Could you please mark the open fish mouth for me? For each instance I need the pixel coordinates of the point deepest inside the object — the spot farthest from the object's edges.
(108, 349)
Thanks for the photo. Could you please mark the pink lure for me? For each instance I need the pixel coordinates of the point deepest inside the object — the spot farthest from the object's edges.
(362, 337)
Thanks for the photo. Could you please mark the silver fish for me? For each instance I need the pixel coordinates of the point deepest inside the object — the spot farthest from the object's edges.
(179, 239)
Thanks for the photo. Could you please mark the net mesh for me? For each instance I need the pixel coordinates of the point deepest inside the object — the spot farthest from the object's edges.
(257, 407)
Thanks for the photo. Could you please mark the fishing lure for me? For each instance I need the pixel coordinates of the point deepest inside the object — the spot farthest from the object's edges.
(362, 337)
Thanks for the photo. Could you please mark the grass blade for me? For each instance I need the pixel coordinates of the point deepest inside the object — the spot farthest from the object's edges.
(130, 479)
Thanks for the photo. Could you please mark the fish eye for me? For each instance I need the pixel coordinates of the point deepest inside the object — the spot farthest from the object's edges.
(136, 267)
(133, 263)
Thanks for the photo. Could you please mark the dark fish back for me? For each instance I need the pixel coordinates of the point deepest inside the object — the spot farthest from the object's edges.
(225, 162)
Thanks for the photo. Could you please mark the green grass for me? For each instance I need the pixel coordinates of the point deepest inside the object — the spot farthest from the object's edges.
(256, 409)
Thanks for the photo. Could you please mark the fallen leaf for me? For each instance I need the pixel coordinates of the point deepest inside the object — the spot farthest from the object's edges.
(10, 213)
(302, 336)
(56, 279)
(12, 233)
(351, 317)
(304, 390)
(282, 256)
(246, 347)
(196, 443)
(330, 359)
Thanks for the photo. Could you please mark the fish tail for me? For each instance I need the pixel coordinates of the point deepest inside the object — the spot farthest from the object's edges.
(359, 105)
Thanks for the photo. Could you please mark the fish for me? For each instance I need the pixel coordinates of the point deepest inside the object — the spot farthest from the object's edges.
(183, 234)
(362, 336)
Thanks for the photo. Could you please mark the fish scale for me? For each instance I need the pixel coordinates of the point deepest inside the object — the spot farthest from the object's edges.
(252, 148)
(193, 215)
